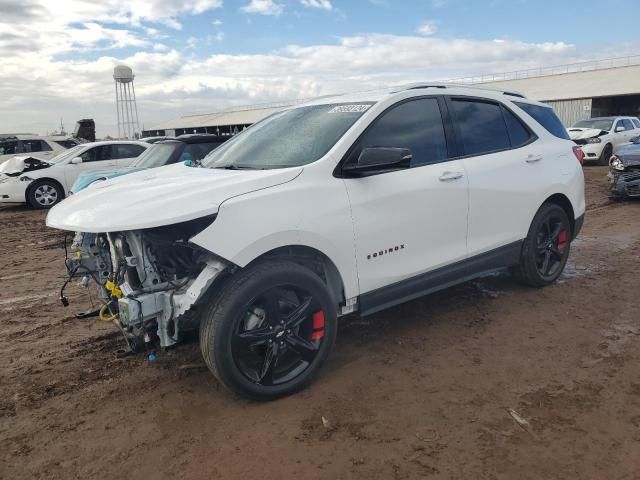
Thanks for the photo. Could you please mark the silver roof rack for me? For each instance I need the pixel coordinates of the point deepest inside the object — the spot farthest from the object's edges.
(416, 86)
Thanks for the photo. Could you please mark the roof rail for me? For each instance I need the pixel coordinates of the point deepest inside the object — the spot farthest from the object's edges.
(416, 86)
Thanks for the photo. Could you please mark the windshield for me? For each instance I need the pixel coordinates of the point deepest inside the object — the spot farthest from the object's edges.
(71, 153)
(287, 139)
(156, 155)
(597, 123)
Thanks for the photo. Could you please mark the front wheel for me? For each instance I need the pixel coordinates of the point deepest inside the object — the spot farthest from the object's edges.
(606, 154)
(546, 249)
(44, 194)
(269, 330)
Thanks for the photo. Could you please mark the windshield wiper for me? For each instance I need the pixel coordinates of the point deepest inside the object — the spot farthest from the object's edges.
(239, 167)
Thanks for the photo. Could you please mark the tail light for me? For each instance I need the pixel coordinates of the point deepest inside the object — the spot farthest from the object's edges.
(577, 151)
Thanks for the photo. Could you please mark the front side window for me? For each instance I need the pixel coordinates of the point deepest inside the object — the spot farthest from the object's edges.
(546, 117)
(481, 126)
(97, 154)
(416, 125)
(627, 124)
(636, 122)
(291, 138)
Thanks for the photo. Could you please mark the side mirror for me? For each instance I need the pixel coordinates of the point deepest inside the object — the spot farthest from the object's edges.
(620, 129)
(374, 160)
(76, 160)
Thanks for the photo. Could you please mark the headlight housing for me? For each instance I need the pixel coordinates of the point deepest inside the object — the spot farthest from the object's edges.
(616, 163)
(594, 140)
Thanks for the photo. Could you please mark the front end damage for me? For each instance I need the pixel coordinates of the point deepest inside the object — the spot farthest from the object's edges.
(624, 172)
(151, 282)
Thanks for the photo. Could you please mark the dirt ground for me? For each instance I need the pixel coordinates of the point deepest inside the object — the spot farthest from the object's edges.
(420, 391)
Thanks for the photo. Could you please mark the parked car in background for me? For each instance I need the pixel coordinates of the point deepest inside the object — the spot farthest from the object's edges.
(624, 171)
(42, 184)
(601, 137)
(39, 147)
(345, 204)
(164, 152)
(154, 139)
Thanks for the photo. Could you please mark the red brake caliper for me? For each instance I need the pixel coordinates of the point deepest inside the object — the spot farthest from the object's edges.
(563, 239)
(318, 326)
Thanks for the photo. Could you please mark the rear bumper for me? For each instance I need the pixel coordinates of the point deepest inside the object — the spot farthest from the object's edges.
(577, 226)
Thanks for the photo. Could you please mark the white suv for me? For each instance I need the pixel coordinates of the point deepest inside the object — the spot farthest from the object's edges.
(353, 203)
(602, 137)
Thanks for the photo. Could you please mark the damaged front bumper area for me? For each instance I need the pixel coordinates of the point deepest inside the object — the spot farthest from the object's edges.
(624, 183)
(152, 282)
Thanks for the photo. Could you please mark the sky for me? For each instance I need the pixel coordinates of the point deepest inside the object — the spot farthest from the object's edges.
(190, 56)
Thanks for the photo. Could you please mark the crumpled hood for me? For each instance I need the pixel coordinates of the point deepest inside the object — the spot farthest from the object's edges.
(159, 196)
(630, 155)
(22, 163)
(582, 133)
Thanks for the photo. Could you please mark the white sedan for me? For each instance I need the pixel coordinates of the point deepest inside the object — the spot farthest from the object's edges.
(42, 184)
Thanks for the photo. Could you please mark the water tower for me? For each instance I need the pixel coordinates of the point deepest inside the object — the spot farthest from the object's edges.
(127, 110)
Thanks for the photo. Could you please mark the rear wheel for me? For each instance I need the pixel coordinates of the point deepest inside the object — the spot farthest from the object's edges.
(269, 330)
(546, 249)
(44, 194)
(605, 155)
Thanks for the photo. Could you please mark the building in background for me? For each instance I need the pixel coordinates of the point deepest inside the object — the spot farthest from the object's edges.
(576, 91)
(126, 107)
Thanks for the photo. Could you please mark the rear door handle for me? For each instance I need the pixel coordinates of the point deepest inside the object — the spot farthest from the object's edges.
(449, 176)
(533, 158)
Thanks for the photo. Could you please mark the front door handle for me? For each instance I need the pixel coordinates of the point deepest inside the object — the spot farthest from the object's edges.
(449, 176)
(533, 158)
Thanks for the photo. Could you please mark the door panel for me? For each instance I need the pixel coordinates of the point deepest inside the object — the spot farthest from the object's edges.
(507, 169)
(96, 158)
(409, 221)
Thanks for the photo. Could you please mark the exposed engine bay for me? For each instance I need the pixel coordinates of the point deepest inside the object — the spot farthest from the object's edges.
(150, 282)
(21, 164)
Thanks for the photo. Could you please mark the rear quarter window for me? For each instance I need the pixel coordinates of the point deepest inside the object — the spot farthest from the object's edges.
(546, 117)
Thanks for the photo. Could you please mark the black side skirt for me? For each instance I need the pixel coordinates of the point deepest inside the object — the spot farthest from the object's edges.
(445, 277)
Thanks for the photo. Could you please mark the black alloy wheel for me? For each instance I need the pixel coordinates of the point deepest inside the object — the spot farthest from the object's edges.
(546, 249)
(268, 329)
(552, 246)
(278, 336)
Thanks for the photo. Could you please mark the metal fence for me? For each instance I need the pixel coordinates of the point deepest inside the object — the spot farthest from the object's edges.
(548, 71)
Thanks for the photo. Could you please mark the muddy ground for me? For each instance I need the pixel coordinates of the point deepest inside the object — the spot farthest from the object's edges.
(419, 391)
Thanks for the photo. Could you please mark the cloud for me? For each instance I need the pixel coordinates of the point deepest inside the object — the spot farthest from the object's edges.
(427, 28)
(217, 22)
(321, 4)
(263, 7)
(59, 61)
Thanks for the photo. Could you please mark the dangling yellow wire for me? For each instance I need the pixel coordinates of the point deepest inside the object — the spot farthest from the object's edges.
(103, 317)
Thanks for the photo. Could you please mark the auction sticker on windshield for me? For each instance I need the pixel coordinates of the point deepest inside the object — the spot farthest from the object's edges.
(349, 109)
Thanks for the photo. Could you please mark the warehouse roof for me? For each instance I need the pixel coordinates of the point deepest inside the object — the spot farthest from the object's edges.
(231, 116)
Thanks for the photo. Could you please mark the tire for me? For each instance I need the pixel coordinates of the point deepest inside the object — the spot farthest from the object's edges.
(242, 327)
(605, 155)
(549, 238)
(44, 194)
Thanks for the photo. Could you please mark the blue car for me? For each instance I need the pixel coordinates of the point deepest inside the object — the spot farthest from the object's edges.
(185, 147)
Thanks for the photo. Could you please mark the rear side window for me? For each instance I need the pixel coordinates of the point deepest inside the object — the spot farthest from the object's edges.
(519, 134)
(636, 122)
(481, 126)
(416, 125)
(546, 117)
(127, 150)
